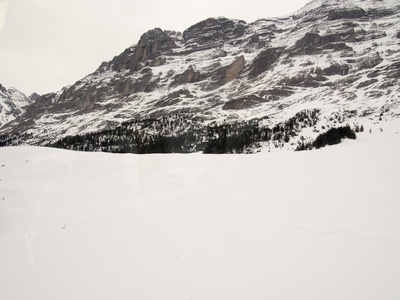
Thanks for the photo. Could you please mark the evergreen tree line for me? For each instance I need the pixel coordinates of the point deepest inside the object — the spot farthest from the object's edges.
(184, 134)
(179, 134)
(331, 137)
(7, 140)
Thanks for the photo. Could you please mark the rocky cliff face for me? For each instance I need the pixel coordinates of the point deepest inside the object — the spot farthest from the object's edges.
(340, 57)
(13, 104)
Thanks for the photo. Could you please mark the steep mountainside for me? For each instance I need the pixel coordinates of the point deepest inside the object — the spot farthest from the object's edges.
(13, 104)
(332, 61)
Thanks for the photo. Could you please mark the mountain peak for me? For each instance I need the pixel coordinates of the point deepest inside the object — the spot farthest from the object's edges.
(326, 5)
(214, 28)
(2, 89)
(12, 104)
(33, 97)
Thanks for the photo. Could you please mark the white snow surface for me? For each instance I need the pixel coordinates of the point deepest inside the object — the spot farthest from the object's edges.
(286, 225)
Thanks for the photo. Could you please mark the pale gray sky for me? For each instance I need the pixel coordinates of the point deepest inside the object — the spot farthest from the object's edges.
(48, 44)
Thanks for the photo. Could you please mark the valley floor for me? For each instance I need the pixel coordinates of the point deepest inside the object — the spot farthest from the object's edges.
(321, 224)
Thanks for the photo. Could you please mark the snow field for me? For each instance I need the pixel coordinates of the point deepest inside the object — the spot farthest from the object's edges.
(305, 225)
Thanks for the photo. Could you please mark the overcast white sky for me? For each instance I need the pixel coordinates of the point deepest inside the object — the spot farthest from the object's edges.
(48, 44)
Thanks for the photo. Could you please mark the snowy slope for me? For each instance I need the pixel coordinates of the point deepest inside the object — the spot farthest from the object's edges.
(12, 104)
(291, 225)
(366, 5)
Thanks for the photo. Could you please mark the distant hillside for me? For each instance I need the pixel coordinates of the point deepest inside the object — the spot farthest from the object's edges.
(340, 58)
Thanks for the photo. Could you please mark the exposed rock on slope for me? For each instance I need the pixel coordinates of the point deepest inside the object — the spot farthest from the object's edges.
(13, 103)
(334, 56)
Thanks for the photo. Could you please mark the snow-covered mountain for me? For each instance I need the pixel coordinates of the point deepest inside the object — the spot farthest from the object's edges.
(366, 5)
(331, 62)
(13, 104)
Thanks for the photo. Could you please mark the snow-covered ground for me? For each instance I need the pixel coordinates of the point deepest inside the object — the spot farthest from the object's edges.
(285, 225)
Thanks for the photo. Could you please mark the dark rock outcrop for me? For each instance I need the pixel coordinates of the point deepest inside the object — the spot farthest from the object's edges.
(276, 94)
(40, 105)
(146, 53)
(370, 61)
(379, 13)
(174, 98)
(243, 102)
(129, 86)
(213, 31)
(189, 76)
(393, 70)
(234, 69)
(310, 79)
(339, 14)
(313, 43)
(226, 74)
(264, 61)
(336, 69)
(366, 83)
(33, 97)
